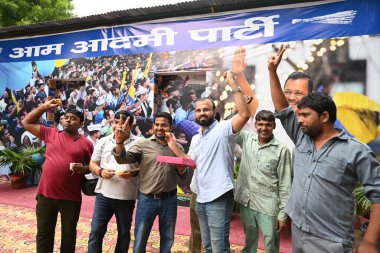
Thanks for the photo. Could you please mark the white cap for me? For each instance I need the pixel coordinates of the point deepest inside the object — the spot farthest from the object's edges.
(141, 91)
(94, 127)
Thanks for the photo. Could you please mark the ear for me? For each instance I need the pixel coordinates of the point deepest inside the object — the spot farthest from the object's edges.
(274, 125)
(324, 117)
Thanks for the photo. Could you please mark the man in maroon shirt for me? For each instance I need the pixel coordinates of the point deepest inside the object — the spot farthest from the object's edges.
(59, 190)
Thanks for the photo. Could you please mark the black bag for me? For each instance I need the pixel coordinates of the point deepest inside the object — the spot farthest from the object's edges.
(88, 186)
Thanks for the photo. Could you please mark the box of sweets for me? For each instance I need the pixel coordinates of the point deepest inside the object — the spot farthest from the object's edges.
(176, 160)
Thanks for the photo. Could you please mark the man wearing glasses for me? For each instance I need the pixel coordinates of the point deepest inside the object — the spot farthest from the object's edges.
(297, 85)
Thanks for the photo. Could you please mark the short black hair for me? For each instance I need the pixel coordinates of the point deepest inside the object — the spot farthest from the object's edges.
(172, 101)
(76, 112)
(265, 115)
(125, 115)
(164, 115)
(300, 75)
(319, 102)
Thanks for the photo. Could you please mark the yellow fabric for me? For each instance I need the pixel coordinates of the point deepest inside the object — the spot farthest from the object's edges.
(356, 113)
(59, 62)
(148, 65)
(15, 101)
(122, 84)
(179, 190)
(131, 91)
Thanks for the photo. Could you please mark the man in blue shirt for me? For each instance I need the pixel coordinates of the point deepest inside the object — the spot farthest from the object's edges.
(213, 151)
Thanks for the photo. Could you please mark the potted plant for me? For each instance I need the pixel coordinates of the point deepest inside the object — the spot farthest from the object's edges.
(23, 163)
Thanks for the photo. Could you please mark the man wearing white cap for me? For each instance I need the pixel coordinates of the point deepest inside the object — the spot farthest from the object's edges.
(142, 95)
(94, 133)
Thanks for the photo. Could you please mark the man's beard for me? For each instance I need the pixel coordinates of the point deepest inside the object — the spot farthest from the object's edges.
(205, 122)
(312, 132)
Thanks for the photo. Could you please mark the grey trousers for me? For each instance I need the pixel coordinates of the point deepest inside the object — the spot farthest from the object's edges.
(304, 242)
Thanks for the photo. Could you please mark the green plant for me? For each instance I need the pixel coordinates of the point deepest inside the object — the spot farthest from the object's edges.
(21, 159)
(363, 204)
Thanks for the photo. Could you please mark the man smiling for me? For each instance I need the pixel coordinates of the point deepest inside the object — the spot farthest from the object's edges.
(297, 85)
(158, 182)
(263, 184)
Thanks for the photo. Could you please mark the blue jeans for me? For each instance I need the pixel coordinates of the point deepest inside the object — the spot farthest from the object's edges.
(214, 221)
(147, 210)
(104, 209)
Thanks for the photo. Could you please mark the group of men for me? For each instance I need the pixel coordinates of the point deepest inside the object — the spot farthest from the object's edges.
(314, 189)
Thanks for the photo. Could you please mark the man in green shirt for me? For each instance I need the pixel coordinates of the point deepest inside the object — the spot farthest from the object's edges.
(263, 184)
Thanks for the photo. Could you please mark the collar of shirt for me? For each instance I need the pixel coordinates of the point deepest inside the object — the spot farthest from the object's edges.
(153, 138)
(273, 142)
(208, 129)
(342, 134)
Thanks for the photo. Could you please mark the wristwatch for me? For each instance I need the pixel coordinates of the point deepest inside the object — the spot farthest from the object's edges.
(236, 90)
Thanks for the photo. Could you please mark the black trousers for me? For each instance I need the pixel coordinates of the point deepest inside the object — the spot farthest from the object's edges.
(47, 212)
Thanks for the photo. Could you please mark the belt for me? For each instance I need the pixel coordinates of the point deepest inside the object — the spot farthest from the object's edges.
(162, 195)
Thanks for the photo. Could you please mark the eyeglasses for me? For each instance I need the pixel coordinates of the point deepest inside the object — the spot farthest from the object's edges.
(296, 93)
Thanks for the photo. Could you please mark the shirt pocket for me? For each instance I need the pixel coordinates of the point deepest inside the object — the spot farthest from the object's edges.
(331, 170)
(302, 156)
(268, 167)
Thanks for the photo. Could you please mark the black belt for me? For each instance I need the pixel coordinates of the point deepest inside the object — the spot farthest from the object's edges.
(162, 195)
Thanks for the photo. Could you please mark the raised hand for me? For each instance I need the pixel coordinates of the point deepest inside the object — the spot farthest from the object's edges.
(122, 130)
(238, 61)
(229, 77)
(170, 138)
(274, 60)
(53, 103)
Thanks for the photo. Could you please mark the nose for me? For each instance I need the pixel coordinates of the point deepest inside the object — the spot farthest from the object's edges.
(300, 119)
(292, 96)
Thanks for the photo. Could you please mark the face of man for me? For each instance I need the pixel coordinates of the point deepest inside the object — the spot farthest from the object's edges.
(71, 123)
(295, 90)
(115, 122)
(160, 126)
(193, 95)
(204, 113)
(111, 115)
(264, 130)
(310, 122)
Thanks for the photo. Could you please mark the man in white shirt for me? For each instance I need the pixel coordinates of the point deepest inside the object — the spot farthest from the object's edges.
(116, 190)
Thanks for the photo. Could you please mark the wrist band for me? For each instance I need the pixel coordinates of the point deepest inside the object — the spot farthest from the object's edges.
(100, 172)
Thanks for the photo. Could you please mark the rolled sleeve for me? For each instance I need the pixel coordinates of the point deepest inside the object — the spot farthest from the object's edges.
(290, 123)
(368, 171)
(285, 181)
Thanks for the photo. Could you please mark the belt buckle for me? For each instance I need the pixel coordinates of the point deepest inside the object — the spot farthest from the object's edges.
(157, 196)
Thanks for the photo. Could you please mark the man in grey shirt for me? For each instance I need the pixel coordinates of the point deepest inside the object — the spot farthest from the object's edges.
(327, 165)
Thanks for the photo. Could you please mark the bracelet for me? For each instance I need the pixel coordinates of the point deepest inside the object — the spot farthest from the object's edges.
(120, 142)
(100, 172)
(236, 90)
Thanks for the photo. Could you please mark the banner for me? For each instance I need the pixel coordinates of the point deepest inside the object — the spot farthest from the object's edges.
(339, 19)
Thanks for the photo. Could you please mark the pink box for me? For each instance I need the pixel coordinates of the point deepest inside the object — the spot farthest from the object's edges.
(176, 160)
